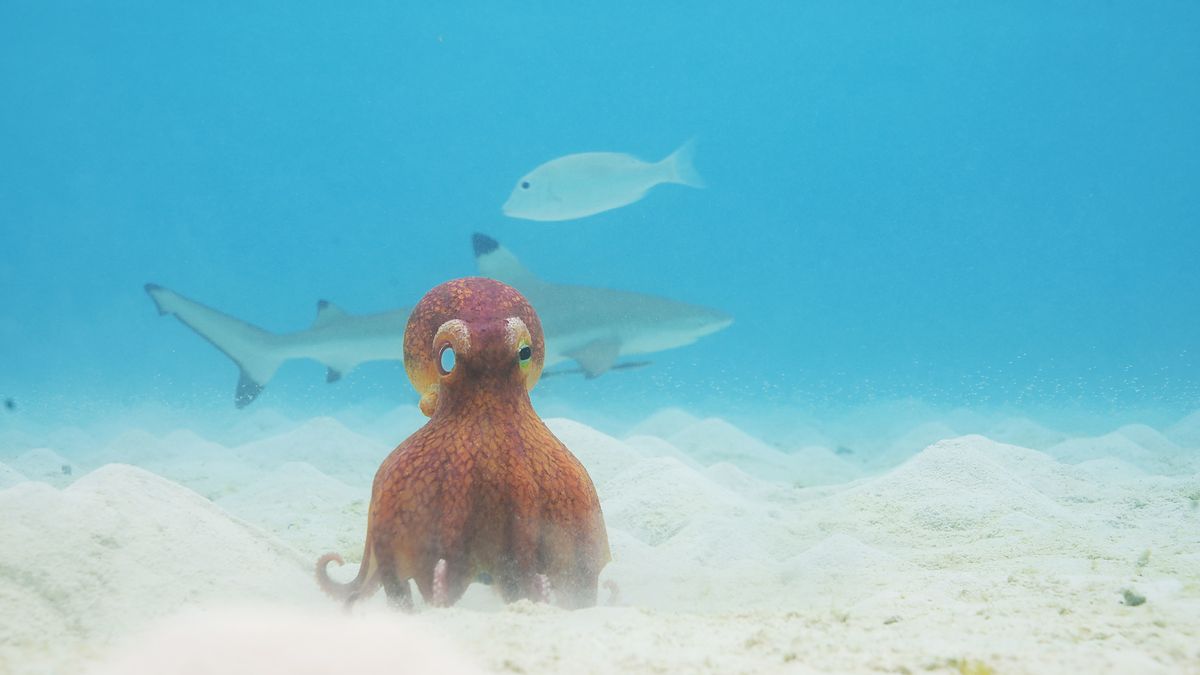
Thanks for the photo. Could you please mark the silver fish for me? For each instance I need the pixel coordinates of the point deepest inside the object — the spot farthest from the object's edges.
(587, 183)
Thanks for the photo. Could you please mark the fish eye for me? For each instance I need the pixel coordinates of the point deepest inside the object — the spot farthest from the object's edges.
(446, 360)
(524, 185)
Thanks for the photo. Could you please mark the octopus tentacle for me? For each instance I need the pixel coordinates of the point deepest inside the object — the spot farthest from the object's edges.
(440, 592)
(614, 592)
(543, 591)
(363, 585)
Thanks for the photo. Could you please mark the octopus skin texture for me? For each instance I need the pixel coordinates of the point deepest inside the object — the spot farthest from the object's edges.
(484, 489)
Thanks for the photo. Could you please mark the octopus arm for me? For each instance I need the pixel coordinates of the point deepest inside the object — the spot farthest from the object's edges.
(362, 586)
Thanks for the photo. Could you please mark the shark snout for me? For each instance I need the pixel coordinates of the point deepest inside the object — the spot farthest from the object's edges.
(712, 323)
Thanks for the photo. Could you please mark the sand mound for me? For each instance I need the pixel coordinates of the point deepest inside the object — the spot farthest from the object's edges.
(397, 424)
(653, 446)
(140, 447)
(327, 445)
(910, 442)
(184, 457)
(844, 555)
(310, 510)
(821, 466)
(270, 641)
(10, 476)
(1023, 432)
(14, 441)
(47, 466)
(1186, 432)
(1134, 444)
(1109, 470)
(665, 423)
(737, 481)
(841, 567)
(1149, 438)
(656, 498)
(121, 546)
(721, 568)
(27, 435)
(262, 422)
(714, 440)
(955, 486)
(603, 456)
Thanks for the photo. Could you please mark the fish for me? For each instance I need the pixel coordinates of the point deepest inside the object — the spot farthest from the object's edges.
(584, 184)
(592, 326)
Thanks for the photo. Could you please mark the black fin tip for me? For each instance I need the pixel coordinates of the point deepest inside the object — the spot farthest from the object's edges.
(483, 244)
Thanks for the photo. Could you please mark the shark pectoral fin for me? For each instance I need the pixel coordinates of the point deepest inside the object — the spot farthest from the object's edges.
(247, 390)
(333, 375)
(597, 357)
(155, 291)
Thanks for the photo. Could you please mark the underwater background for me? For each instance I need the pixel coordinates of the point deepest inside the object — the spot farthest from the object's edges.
(966, 204)
(953, 427)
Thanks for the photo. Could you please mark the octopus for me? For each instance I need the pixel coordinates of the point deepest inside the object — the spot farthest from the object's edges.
(483, 491)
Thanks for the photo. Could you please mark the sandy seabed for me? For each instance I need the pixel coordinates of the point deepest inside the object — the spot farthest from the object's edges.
(1018, 549)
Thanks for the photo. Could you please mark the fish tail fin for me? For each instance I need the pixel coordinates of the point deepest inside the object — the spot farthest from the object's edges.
(680, 168)
(250, 347)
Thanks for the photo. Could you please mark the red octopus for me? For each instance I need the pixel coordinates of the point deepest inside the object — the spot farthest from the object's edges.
(483, 490)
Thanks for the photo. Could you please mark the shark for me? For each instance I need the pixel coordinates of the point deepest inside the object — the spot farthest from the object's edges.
(594, 327)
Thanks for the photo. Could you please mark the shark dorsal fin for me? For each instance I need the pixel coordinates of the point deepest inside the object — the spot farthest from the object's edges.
(499, 263)
(327, 313)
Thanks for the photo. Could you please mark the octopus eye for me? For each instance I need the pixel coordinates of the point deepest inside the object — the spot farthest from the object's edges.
(525, 353)
(446, 360)
(524, 185)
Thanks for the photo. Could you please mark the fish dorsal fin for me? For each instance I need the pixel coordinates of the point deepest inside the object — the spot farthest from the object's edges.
(499, 263)
(597, 357)
(327, 313)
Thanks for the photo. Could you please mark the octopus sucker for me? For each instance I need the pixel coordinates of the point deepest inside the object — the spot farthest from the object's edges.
(484, 489)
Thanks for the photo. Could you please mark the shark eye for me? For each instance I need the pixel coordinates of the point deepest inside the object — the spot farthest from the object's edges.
(524, 185)
(446, 359)
(525, 354)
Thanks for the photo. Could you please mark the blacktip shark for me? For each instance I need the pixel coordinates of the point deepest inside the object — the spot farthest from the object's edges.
(596, 326)
(592, 326)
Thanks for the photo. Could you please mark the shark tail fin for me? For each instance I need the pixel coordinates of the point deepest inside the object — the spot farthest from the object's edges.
(254, 350)
(499, 263)
(680, 168)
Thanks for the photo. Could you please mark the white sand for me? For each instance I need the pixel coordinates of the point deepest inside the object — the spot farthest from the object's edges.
(912, 549)
(255, 641)
(10, 476)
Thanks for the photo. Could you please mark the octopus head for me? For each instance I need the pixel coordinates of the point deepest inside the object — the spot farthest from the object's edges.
(470, 331)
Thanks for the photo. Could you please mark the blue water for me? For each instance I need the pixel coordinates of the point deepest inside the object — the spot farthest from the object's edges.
(982, 204)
